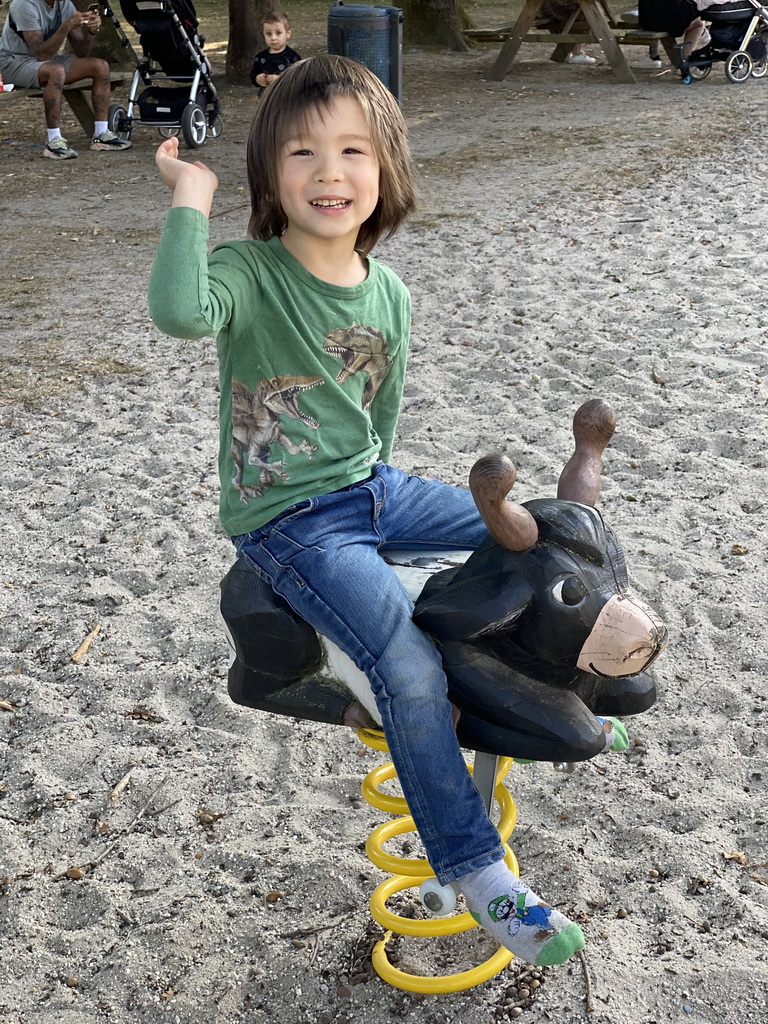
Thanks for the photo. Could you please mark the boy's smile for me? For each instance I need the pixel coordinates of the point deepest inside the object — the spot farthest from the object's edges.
(276, 36)
(328, 176)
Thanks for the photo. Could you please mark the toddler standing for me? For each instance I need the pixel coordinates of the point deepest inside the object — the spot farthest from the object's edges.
(278, 56)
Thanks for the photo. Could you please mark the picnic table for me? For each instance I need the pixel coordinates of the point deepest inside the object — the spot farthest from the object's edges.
(591, 22)
(76, 94)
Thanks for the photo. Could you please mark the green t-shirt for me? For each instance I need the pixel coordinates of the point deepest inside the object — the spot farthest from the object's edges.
(311, 373)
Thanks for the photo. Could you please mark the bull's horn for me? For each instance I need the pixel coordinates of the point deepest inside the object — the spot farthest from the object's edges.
(490, 480)
(593, 427)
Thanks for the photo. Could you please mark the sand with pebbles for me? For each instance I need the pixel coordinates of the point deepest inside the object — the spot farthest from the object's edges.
(575, 239)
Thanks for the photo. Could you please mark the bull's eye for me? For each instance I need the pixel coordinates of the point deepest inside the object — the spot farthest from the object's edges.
(569, 591)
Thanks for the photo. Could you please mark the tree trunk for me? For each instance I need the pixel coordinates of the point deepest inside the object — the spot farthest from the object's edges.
(245, 38)
(433, 22)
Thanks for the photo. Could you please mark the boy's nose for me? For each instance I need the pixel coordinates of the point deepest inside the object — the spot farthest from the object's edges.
(328, 169)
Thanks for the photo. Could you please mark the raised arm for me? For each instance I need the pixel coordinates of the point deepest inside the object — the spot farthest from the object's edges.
(192, 184)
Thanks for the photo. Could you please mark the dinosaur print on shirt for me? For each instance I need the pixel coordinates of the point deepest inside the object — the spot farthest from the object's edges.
(256, 427)
(363, 350)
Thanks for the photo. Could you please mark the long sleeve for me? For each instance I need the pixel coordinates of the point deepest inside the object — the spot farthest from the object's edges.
(186, 299)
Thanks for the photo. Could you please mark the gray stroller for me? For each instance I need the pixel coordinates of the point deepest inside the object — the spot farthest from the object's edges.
(739, 34)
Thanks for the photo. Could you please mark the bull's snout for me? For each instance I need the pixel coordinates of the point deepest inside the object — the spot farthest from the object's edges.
(625, 639)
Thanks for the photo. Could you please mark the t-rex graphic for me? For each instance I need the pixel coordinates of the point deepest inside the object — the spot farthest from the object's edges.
(364, 350)
(256, 426)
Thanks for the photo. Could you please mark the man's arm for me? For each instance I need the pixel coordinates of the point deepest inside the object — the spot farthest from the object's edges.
(80, 27)
(81, 38)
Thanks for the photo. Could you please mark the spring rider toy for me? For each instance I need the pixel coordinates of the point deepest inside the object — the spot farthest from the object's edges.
(540, 637)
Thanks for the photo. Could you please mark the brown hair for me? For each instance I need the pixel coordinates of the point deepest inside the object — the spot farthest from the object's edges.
(276, 18)
(314, 84)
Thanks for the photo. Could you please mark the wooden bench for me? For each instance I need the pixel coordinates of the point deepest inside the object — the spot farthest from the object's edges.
(591, 22)
(76, 94)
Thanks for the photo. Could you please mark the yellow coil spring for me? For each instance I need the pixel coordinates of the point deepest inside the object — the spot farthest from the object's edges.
(410, 873)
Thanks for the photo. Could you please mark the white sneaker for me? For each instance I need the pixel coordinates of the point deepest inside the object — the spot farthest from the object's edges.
(630, 18)
(580, 58)
(646, 62)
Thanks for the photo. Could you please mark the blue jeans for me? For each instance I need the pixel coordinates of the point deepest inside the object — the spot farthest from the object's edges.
(322, 556)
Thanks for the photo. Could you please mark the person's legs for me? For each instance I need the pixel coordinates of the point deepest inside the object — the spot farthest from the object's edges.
(101, 91)
(694, 36)
(98, 71)
(323, 559)
(51, 76)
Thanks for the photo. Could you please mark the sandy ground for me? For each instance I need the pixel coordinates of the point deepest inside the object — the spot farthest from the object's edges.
(576, 238)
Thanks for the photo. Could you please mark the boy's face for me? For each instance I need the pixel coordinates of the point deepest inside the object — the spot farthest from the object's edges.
(329, 174)
(276, 36)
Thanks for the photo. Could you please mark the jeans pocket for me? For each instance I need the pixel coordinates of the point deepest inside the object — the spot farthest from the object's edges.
(293, 512)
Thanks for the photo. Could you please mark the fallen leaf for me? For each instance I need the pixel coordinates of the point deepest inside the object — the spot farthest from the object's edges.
(736, 855)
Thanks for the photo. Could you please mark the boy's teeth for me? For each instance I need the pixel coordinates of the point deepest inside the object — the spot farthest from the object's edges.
(328, 202)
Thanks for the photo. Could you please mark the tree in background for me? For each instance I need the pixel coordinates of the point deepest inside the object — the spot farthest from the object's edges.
(433, 22)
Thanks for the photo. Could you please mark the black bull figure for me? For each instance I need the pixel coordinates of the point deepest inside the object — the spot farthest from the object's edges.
(537, 629)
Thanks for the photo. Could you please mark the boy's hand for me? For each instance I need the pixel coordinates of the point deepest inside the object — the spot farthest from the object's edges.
(192, 184)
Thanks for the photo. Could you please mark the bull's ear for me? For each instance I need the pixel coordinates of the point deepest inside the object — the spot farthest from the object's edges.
(478, 599)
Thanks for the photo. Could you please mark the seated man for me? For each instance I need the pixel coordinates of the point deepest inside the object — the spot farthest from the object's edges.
(34, 32)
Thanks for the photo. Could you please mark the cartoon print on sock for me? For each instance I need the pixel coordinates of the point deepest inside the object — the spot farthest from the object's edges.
(256, 426)
(364, 350)
(504, 908)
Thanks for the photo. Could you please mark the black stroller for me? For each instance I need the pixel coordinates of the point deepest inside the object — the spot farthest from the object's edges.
(739, 33)
(173, 53)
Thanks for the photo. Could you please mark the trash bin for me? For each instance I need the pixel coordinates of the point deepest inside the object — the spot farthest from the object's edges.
(371, 35)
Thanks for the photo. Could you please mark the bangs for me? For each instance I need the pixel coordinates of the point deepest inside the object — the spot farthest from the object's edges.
(296, 111)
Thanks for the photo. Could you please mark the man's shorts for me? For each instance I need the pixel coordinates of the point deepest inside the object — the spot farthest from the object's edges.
(22, 71)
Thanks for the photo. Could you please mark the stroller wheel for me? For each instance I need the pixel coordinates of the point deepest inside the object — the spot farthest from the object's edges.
(215, 126)
(738, 67)
(760, 67)
(168, 132)
(699, 72)
(117, 119)
(193, 126)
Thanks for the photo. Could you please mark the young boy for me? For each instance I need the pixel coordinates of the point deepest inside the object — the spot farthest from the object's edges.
(278, 56)
(307, 493)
